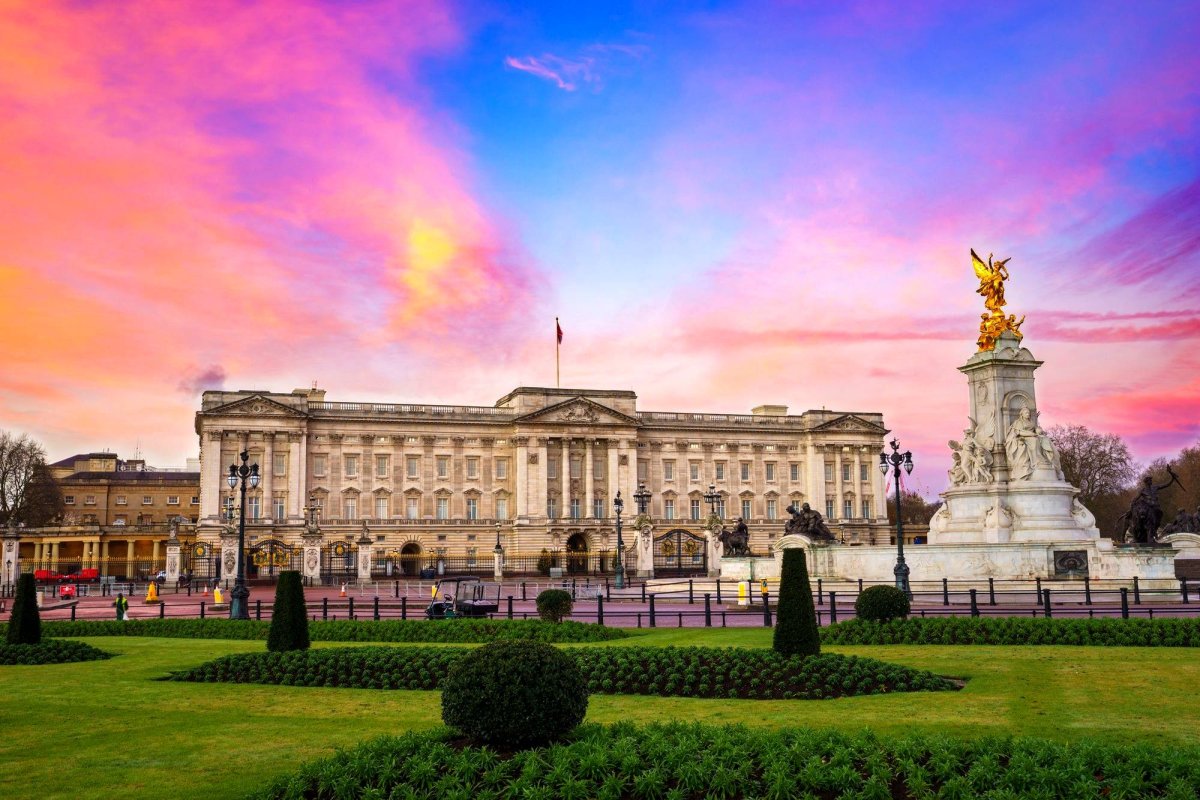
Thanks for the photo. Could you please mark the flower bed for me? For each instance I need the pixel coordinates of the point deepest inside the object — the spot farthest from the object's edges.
(687, 761)
(50, 651)
(1018, 631)
(667, 671)
(465, 631)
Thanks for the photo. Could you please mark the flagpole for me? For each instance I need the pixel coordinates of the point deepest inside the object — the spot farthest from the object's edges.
(557, 347)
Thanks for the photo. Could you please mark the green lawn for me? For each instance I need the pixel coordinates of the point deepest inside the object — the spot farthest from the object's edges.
(105, 729)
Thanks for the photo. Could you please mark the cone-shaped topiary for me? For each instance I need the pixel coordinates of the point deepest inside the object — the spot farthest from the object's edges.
(289, 618)
(514, 694)
(25, 626)
(796, 629)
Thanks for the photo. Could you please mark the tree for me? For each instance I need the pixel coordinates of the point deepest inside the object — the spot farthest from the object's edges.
(915, 508)
(796, 630)
(1101, 467)
(289, 618)
(28, 492)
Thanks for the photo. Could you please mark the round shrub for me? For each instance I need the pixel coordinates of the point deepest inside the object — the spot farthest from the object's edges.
(554, 605)
(514, 694)
(881, 603)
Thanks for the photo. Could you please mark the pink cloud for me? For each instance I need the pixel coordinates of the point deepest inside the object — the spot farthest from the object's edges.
(564, 73)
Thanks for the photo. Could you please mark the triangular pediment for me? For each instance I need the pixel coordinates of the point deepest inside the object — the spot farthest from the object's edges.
(255, 406)
(851, 423)
(578, 411)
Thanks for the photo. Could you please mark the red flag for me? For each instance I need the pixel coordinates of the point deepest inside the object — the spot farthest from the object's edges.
(559, 329)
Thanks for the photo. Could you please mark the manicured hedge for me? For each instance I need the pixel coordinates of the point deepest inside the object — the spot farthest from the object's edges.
(465, 631)
(699, 761)
(668, 671)
(50, 651)
(1018, 631)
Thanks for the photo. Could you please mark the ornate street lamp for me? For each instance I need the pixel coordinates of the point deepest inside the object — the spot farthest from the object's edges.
(642, 496)
(712, 498)
(895, 460)
(239, 606)
(618, 507)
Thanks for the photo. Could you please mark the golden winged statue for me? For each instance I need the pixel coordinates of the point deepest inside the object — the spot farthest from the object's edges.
(992, 276)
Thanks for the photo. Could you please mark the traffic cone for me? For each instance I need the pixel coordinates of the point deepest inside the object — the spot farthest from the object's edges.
(205, 592)
(343, 590)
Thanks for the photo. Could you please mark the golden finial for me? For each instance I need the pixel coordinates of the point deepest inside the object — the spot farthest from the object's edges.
(991, 286)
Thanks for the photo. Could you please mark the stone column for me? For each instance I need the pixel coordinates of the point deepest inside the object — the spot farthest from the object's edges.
(104, 558)
(498, 564)
(311, 566)
(54, 555)
(521, 475)
(857, 482)
(267, 470)
(154, 551)
(364, 562)
(297, 476)
(229, 546)
(210, 475)
(543, 480)
(838, 486)
(10, 564)
(173, 560)
(588, 494)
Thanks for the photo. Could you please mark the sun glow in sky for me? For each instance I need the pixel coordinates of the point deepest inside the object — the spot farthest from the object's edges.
(727, 204)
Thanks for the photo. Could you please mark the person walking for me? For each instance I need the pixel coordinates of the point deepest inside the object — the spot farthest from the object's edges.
(122, 605)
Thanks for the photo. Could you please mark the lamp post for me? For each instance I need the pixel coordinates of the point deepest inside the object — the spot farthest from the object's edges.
(498, 556)
(895, 460)
(239, 606)
(618, 507)
(712, 498)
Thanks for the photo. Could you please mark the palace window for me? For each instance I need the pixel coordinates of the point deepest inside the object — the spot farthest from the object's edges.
(848, 509)
(695, 508)
(552, 507)
(254, 507)
(279, 512)
(501, 508)
(745, 467)
(195, 499)
(746, 509)
(598, 508)
(694, 471)
(795, 471)
(575, 510)
(381, 466)
(772, 508)
(866, 508)
(351, 466)
(443, 508)
(551, 467)
(69, 499)
(720, 470)
(770, 465)
(472, 468)
(845, 472)
(173, 500)
(318, 466)
(147, 500)
(412, 466)
(472, 508)
(412, 508)
(721, 508)
(351, 508)
(576, 466)
(668, 509)
(443, 467)
(668, 470)
(829, 508)
(501, 469)
(281, 460)
(862, 472)
(598, 468)
(122, 500)
(381, 508)
(643, 470)
(829, 472)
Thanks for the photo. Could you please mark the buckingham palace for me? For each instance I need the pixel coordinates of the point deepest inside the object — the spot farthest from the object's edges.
(535, 474)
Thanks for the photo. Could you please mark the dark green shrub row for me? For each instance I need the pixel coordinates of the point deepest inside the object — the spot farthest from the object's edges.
(1017, 631)
(465, 631)
(667, 671)
(50, 651)
(692, 761)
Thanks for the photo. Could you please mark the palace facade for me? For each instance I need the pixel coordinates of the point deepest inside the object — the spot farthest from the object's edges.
(539, 470)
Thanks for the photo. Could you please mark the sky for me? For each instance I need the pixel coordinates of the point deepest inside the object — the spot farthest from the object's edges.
(725, 204)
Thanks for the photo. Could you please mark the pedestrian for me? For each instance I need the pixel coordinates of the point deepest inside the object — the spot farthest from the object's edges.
(122, 605)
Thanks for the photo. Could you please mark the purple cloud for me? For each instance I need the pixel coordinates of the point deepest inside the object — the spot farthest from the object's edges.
(211, 377)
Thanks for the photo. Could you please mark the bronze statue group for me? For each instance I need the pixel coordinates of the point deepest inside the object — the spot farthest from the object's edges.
(1142, 523)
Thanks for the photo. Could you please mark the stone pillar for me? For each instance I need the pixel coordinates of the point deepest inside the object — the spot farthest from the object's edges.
(365, 549)
(543, 481)
(588, 494)
(815, 495)
(210, 475)
(857, 482)
(54, 555)
(10, 563)
(173, 560)
(521, 475)
(296, 496)
(644, 549)
(154, 551)
(839, 487)
(267, 471)
(229, 546)
(612, 482)
(498, 564)
(311, 565)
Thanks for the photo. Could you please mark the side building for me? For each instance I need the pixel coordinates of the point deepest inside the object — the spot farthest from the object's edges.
(438, 486)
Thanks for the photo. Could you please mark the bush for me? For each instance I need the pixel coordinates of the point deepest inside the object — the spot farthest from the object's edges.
(796, 629)
(554, 604)
(390, 630)
(51, 651)
(1018, 631)
(544, 563)
(881, 604)
(289, 617)
(25, 625)
(694, 760)
(514, 694)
